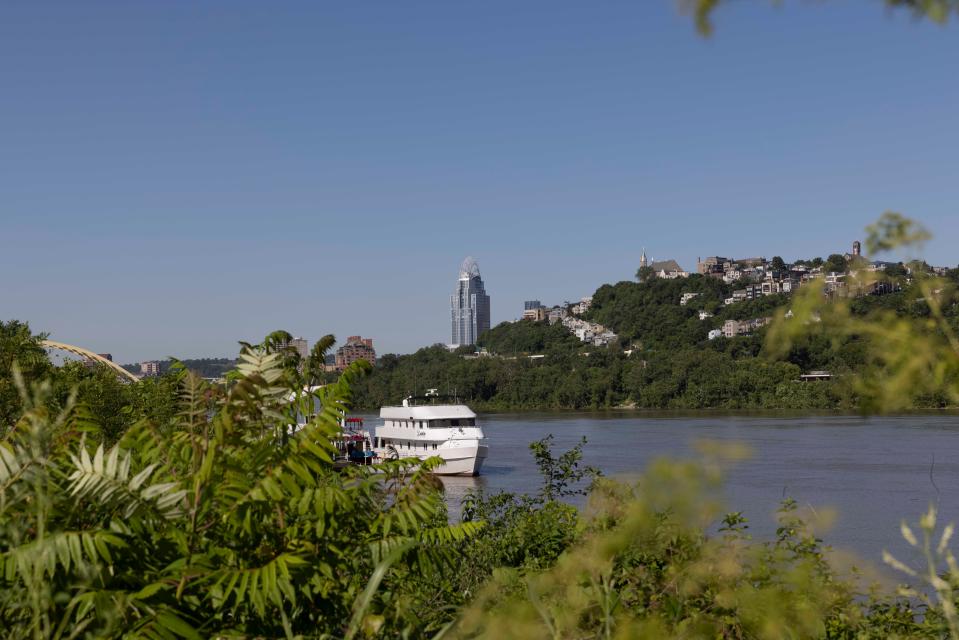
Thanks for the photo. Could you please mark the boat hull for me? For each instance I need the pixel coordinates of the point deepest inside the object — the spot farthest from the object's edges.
(457, 461)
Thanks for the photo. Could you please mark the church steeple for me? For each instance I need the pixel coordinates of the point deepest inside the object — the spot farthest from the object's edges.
(642, 260)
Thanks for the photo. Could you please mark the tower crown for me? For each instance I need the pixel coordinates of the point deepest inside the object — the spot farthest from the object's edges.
(469, 268)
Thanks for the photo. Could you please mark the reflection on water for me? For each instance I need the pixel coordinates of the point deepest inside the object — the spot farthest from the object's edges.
(874, 471)
(456, 488)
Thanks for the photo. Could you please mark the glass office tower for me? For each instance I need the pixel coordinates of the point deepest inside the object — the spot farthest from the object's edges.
(469, 305)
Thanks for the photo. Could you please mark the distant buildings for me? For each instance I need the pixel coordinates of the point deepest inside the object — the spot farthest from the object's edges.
(537, 314)
(356, 348)
(733, 328)
(150, 368)
(556, 314)
(534, 311)
(591, 332)
(729, 270)
(712, 266)
(92, 364)
(583, 305)
(300, 345)
(469, 306)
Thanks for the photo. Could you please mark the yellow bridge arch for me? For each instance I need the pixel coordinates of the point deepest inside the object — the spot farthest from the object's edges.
(89, 355)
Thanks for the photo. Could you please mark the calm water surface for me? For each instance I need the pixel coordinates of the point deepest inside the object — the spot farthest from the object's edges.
(874, 471)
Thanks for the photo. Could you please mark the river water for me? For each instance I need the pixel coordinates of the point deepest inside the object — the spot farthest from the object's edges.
(873, 471)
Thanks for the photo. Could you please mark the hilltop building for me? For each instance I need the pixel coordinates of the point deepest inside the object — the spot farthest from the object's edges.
(713, 266)
(356, 348)
(536, 315)
(469, 306)
(669, 269)
(534, 310)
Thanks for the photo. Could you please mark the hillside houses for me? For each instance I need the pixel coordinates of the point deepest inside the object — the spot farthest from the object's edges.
(591, 332)
(734, 328)
(761, 278)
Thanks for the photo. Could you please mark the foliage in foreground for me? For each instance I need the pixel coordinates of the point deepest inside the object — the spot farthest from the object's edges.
(224, 523)
(643, 567)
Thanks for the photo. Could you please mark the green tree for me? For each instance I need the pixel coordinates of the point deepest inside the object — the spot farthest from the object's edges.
(645, 274)
(20, 348)
(835, 263)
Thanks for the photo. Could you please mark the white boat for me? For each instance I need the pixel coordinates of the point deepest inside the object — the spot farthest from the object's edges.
(427, 429)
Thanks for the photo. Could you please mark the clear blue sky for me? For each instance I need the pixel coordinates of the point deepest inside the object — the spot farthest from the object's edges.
(177, 176)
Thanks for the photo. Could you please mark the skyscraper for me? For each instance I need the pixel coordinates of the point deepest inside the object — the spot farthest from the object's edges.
(469, 305)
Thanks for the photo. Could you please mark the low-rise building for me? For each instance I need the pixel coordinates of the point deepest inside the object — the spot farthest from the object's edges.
(733, 328)
(356, 348)
(715, 333)
(686, 297)
(556, 314)
(590, 332)
(583, 305)
(713, 266)
(150, 368)
(536, 315)
(732, 275)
